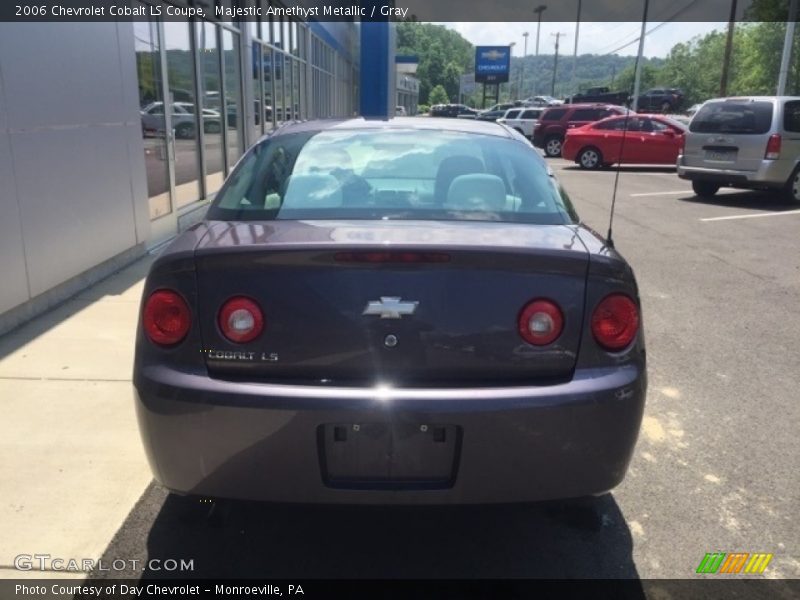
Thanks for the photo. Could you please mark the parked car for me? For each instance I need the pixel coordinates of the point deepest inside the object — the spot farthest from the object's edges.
(522, 119)
(317, 338)
(541, 101)
(599, 94)
(553, 124)
(663, 99)
(491, 115)
(183, 119)
(452, 110)
(750, 142)
(649, 139)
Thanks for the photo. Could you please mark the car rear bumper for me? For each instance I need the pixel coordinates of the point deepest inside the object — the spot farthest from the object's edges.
(263, 441)
(770, 173)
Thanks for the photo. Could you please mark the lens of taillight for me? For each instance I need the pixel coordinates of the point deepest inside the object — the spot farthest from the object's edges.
(166, 318)
(773, 147)
(241, 320)
(615, 322)
(540, 322)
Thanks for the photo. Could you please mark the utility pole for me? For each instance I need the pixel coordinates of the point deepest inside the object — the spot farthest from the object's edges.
(575, 53)
(638, 77)
(555, 63)
(726, 61)
(787, 48)
(522, 69)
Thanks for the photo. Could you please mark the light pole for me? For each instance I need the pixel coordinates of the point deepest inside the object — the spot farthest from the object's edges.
(575, 54)
(539, 10)
(510, 84)
(522, 69)
(555, 64)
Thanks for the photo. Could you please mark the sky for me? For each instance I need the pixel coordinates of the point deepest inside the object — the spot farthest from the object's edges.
(593, 37)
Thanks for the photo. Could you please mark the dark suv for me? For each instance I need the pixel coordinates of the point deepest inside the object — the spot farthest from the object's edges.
(663, 99)
(553, 123)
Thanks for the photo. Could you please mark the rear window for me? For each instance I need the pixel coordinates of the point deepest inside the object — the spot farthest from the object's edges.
(791, 116)
(733, 117)
(554, 115)
(397, 174)
(531, 114)
(587, 114)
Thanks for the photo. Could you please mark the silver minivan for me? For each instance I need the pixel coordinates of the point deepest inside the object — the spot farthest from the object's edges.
(749, 142)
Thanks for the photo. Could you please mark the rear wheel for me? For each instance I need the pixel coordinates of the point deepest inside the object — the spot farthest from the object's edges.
(590, 158)
(792, 191)
(705, 189)
(552, 147)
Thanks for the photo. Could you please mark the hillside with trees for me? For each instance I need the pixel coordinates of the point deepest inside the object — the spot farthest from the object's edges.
(694, 66)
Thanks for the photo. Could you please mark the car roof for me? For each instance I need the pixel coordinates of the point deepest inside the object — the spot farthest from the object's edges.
(396, 123)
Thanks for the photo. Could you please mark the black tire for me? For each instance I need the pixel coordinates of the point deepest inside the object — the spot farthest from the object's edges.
(184, 131)
(705, 189)
(519, 130)
(552, 146)
(791, 192)
(590, 158)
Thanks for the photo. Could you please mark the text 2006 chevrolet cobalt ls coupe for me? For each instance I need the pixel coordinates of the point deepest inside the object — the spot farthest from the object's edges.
(403, 311)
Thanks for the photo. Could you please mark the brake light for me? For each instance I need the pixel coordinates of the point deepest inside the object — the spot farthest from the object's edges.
(773, 147)
(241, 320)
(393, 257)
(166, 319)
(540, 322)
(615, 322)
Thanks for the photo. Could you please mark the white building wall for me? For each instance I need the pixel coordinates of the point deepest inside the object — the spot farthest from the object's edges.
(72, 182)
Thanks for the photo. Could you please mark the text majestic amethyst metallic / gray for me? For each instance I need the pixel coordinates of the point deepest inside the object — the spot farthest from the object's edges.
(390, 312)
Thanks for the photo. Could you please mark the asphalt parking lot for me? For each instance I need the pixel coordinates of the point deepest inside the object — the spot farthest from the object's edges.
(715, 469)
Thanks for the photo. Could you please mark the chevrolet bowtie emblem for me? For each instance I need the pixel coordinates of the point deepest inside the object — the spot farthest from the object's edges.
(390, 307)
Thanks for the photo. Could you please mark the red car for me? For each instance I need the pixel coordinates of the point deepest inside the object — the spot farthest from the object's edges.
(650, 139)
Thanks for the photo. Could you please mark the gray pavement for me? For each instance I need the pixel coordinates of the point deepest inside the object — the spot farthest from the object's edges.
(716, 466)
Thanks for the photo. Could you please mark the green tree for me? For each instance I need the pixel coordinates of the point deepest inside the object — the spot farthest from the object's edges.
(438, 95)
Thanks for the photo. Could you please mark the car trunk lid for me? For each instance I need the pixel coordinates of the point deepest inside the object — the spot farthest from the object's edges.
(403, 303)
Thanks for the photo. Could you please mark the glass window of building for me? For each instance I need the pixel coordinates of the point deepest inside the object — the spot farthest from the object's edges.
(233, 96)
(210, 86)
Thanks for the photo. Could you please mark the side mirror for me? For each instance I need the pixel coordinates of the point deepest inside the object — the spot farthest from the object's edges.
(669, 133)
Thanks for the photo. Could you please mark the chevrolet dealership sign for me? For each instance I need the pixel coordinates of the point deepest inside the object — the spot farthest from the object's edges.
(492, 63)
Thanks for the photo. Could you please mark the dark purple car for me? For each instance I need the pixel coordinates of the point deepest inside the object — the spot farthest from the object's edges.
(403, 311)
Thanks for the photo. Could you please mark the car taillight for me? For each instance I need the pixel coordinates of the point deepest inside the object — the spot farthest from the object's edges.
(241, 320)
(615, 322)
(167, 318)
(773, 147)
(540, 322)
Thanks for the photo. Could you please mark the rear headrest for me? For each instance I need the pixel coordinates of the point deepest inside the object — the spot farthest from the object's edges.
(312, 191)
(476, 192)
(450, 168)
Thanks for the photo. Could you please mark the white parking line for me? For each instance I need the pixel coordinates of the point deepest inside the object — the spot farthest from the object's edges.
(661, 193)
(766, 214)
